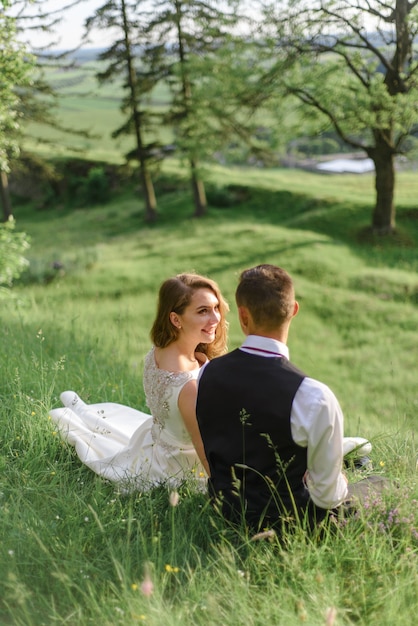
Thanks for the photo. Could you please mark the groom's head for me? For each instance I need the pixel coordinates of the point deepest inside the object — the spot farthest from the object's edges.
(265, 297)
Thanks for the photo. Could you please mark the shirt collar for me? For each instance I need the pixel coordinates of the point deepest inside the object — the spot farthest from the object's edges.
(264, 343)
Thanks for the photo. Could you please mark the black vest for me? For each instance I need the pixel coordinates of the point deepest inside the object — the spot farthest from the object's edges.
(243, 410)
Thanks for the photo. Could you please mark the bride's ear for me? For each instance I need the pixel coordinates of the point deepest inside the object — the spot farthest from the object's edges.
(175, 320)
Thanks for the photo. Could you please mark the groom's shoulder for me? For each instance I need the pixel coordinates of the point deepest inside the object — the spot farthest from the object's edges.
(221, 361)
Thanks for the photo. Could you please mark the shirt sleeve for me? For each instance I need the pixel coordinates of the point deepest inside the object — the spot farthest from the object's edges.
(317, 424)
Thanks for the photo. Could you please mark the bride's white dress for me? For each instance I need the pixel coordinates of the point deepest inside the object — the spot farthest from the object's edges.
(129, 447)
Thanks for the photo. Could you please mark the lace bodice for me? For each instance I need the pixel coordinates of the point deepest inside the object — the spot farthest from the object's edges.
(162, 389)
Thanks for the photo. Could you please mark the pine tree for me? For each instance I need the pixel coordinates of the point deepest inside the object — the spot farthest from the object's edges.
(124, 59)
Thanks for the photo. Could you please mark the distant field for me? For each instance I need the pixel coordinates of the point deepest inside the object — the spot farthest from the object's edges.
(84, 105)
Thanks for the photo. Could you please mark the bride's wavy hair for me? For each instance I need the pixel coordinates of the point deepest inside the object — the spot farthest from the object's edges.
(175, 295)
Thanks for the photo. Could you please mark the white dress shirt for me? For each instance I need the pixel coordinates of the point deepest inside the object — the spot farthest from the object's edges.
(316, 423)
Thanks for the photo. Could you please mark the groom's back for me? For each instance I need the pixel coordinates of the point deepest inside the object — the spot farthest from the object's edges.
(243, 409)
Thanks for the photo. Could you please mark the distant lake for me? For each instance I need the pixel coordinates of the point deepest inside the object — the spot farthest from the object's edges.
(354, 166)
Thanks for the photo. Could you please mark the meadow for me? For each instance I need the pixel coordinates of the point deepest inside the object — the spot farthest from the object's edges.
(76, 551)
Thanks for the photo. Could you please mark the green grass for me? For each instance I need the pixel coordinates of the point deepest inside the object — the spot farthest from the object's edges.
(75, 551)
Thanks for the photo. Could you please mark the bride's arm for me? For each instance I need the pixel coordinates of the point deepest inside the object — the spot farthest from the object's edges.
(187, 407)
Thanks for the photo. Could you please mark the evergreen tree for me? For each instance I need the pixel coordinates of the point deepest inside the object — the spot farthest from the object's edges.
(182, 32)
(123, 58)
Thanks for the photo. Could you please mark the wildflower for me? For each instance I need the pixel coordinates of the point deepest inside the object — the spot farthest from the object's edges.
(174, 498)
(330, 616)
(86, 519)
(11, 552)
(147, 587)
(134, 586)
(201, 474)
(302, 614)
(170, 568)
(33, 413)
(382, 464)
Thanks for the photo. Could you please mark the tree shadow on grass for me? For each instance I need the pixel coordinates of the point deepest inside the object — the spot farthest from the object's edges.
(348, 223)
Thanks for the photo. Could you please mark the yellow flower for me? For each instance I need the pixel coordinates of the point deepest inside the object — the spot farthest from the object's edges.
(134, 586)
(382, 464)
(33, 413)
(170, 568)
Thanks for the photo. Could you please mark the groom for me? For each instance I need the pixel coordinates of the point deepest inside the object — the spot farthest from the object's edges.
(273, 437)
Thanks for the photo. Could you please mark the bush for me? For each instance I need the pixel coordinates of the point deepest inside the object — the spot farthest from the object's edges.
(94, 188)
(12, 261)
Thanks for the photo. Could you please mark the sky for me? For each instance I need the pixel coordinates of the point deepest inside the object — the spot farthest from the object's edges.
(69, 32)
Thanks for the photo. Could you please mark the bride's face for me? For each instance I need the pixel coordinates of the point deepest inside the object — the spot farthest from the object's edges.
(200, 318)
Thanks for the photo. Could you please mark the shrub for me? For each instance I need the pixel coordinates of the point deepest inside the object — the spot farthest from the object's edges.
(12, 261)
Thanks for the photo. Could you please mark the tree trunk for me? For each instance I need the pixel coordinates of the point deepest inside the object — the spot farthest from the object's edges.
(146, 181)
(199, 195)
(383, 221)
(5, 196)
(148, 189)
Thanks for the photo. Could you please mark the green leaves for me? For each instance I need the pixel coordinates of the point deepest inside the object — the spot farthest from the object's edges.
(12, 261)
(15, 65)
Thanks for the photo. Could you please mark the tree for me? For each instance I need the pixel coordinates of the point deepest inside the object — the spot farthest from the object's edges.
(15, 65)
(122, 57)
(12, 261)
(355, 63)
(34, 98)
(182, 32)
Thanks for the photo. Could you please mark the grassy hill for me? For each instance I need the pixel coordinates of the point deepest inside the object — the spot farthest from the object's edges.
(76, 551)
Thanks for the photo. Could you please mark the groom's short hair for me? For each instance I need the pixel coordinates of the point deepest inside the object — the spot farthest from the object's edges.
(268, 293)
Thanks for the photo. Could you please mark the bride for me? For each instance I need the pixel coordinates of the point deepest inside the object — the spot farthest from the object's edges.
(137, 450)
